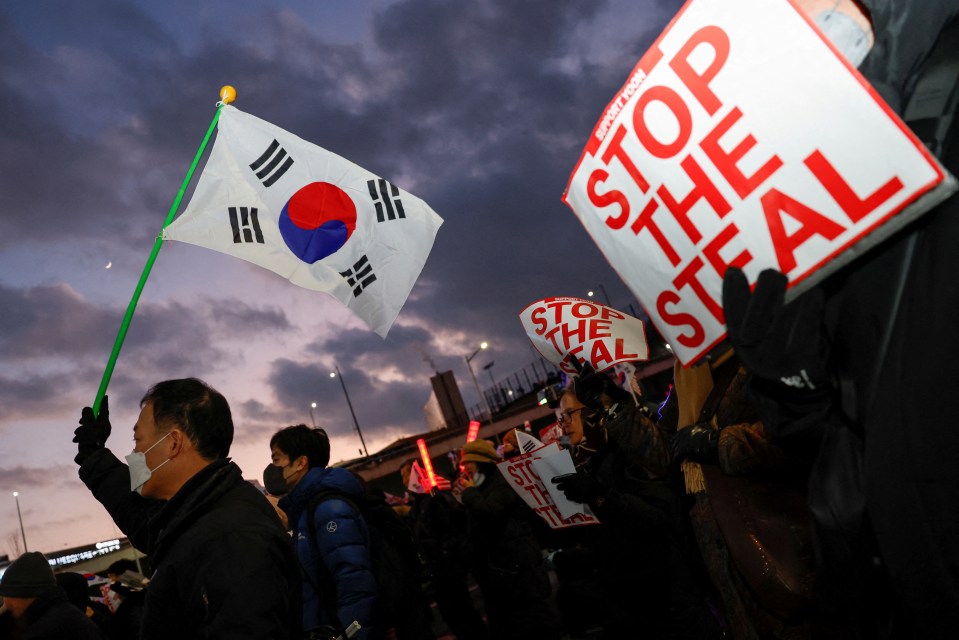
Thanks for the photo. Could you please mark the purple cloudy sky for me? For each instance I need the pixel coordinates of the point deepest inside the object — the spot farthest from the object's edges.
(480, 108)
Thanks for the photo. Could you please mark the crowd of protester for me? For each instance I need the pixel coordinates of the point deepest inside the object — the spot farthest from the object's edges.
(795, 484)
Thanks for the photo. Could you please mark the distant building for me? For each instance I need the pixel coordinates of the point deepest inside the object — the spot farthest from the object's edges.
(89, 558)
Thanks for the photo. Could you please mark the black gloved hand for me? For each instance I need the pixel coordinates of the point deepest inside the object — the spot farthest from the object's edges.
(93, 432)
(782, 345)
(699, 442)
(579, 487)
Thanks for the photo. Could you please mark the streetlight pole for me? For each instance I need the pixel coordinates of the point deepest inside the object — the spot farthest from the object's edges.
(350, 404)
(16, 496)
(489, 369)
(312, 419)
(469, 360)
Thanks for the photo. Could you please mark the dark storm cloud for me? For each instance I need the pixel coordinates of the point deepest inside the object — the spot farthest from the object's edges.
(16, 478)
(30, 396)
(49, 320)
(479, 108)
(377, 405)
(52, 320)
(55, 345)
(242, 319)
(497, 129)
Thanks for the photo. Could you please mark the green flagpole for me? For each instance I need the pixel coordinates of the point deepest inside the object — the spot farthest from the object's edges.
(227, 95)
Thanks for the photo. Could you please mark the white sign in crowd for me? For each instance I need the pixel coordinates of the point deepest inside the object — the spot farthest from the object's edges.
(591, 332)
(530, 475)
(742, 138)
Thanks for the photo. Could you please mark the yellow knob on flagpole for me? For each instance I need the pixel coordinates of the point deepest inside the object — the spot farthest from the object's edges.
(227, 94)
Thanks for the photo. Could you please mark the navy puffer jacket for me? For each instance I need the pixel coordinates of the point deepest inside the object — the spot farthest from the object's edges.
(339, 553)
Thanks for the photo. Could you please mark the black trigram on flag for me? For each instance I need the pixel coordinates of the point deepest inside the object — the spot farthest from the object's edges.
(271, 166)
(360, 276)
(246, 225)
(386, 199)
(528, 446)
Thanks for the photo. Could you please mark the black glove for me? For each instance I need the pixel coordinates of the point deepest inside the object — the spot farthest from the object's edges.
(698, 442)
(592, 385)
(579, 487)
(781, 345)
(93, 432)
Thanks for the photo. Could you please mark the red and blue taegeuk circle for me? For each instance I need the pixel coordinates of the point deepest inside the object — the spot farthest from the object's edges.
(317, 221)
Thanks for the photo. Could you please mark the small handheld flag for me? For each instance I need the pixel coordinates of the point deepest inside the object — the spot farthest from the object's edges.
(324, 223)
(526, 442)
(420, 480)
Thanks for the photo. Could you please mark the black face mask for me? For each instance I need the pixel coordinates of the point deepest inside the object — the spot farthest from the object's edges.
(274, 481)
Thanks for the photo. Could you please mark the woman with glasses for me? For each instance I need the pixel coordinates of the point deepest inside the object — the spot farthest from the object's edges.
(647, 584)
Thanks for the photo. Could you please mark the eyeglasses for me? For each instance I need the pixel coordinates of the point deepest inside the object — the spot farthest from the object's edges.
(566, 417)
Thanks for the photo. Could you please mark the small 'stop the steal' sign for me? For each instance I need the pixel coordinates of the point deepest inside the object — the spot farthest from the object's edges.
(561, 328)
(742, 138)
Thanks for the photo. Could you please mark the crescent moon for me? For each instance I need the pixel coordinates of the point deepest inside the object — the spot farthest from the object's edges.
(109, 264)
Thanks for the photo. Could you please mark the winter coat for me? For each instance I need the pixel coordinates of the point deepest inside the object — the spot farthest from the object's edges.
(744, 447)
(225, 568)
(752, 546)
(52, 617)
(885, 484)
(439, 525)
(128, 618)
(646, 572)
(339, 558)
(507, 562)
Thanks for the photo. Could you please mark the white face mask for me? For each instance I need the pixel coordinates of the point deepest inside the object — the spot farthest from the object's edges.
(846, 34)
(478, 478)
(139, 471)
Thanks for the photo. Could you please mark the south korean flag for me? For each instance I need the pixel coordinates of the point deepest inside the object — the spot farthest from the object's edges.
(324, 223)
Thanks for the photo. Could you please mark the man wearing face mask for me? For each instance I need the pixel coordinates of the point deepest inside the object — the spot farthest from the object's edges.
(507, 561)
(225, 568)
(339, 586)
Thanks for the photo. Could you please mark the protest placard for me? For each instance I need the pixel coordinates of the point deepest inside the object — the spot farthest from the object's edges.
(743, 138)
(552, 433)
(552, 465)
(588, 331)
(525, 481)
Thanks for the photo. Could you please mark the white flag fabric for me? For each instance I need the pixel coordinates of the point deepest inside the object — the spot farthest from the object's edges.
(526, 442)
(324, 223)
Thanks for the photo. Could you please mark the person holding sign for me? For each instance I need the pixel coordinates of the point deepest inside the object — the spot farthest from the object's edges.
(867, 363)
(745, 499)
(647, 581)
(508, 562)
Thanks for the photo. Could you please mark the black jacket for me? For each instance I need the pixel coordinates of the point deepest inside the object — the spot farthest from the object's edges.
(225, 568)
(52, 617)
(886, 483)
(440, 533)
(646, 573)
(508, 562)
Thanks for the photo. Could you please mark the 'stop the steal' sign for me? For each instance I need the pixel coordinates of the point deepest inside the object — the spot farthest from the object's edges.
(742, 138)
(561, 328)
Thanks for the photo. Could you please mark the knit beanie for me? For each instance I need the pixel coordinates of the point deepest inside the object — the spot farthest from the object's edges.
(480, 451)
(29, 576)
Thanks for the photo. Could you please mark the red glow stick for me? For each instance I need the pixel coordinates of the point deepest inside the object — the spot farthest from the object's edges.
(473, 432)
(427, 463)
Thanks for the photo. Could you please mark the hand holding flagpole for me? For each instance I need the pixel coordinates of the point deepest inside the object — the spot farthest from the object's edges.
(227, 95)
